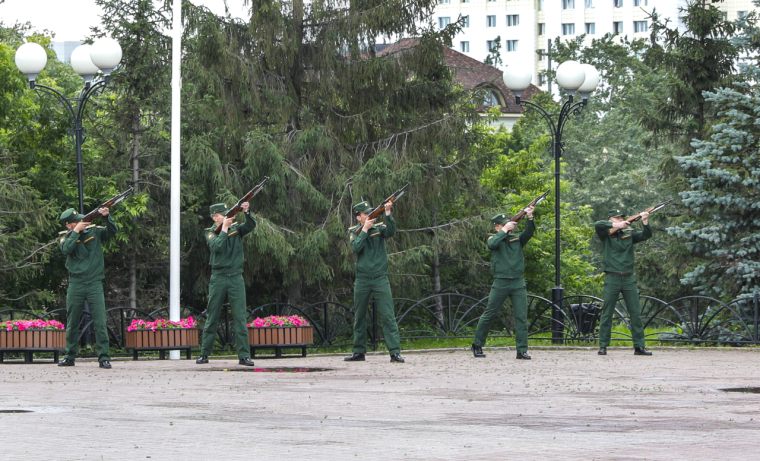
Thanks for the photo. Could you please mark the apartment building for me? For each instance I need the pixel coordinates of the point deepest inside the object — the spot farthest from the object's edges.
(525, 26)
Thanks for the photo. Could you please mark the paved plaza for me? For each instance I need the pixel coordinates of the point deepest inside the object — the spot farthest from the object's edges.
(440, 405)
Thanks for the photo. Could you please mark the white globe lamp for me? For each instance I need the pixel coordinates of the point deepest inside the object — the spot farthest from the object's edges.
(591, 81)
(105, 54)
(570, 76)
(31, 58)
(82, 63)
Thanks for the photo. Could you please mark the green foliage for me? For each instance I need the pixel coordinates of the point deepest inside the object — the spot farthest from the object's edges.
(520, 175)
(724, 180)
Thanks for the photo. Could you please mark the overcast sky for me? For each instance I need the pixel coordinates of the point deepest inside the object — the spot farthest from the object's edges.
(72, 19)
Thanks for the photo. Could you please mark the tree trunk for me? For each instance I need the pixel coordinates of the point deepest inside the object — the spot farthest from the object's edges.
(135, 179)
(439, 314)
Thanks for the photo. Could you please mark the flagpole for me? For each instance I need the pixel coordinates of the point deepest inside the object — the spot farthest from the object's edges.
(174, 247)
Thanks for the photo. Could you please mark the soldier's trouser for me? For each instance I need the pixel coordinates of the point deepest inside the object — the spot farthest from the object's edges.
(77, 294)
(518, 295)
(381, 289)
(613, 286)
(233, 288)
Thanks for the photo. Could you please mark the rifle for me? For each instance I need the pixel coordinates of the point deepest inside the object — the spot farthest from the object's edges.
(90, 217)
(634, 218)
(380, 208)
(533, 203)
(232, 212)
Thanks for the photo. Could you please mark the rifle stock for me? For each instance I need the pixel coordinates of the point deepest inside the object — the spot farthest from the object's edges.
(380, 208)
(90, 217)
(533, 203)
(232, 212)
(636, 217)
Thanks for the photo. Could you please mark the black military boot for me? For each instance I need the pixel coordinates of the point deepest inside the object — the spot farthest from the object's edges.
(66, 363)
(246, 361)
(202, 359)
(602, 351)
(397, 358)
(523, 356)
(355, 357)
(105, 364)
(641, 351)
(477, 351)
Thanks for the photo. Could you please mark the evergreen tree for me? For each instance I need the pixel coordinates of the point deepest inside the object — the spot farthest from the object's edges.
(724, 182)
(299, 93)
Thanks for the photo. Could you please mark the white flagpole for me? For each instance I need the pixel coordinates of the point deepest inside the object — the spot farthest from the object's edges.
(174, 248)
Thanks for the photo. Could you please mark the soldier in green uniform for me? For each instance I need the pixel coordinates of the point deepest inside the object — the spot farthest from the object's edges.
(372, 279)
(227, 280)
(84, 261)
(508, 267)
(617, 250)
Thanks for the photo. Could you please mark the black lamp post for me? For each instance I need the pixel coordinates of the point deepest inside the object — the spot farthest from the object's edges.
(87, 60)
(572, 76)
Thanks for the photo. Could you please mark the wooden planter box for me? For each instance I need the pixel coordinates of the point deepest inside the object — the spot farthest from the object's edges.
(162, 340)
(31, 341)
(279, 338)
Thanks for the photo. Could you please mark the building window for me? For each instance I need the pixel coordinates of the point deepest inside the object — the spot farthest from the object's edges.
(490, 44)
(490, 21)
(590, 4)
(568, 4)
(541, 79)
(741, 14)
(618, 3)
(540, 5)
(465, 1)
(464, 47)
(443, 22)
(640, 26)
(640, 2)
(444, 1)
(590, 28)
(568, 29)
(466, 21)
(513, 20)
(617, 27)
(542, 55)
(491, 99)
(510, 45)
(541, 28)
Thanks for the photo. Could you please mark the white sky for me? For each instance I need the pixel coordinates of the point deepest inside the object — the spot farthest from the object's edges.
(72, 19)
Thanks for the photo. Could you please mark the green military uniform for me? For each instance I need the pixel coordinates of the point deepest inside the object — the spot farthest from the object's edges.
(617, 250)
(372, 279)
(227, 281)
(508, 268)
(84, 262)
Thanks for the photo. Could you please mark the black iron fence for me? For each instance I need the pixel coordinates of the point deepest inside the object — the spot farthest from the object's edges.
(692, 320)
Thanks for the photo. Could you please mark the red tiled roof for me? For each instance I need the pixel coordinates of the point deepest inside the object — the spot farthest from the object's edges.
(471, 73)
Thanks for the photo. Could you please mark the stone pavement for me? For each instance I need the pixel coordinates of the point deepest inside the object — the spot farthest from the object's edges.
(446, 405)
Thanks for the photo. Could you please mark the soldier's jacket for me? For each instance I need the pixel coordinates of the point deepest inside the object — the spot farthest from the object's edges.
(507, 260)
(617, 249)
(227, 247)
(84, 251)
(371, 257)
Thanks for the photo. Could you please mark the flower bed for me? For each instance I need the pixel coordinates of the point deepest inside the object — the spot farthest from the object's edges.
(31, 336)
(277, 332)
(162, 335)
(161, 324)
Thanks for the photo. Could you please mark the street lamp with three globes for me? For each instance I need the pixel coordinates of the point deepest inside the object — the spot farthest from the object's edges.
(87, 60)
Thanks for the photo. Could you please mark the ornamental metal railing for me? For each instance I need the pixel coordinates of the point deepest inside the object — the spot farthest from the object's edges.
(688, 320)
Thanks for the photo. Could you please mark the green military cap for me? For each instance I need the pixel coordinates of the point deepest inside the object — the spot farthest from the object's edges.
(218, 208)
(362, 207)
(613, 213)
(500, 219)
(70, 216)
